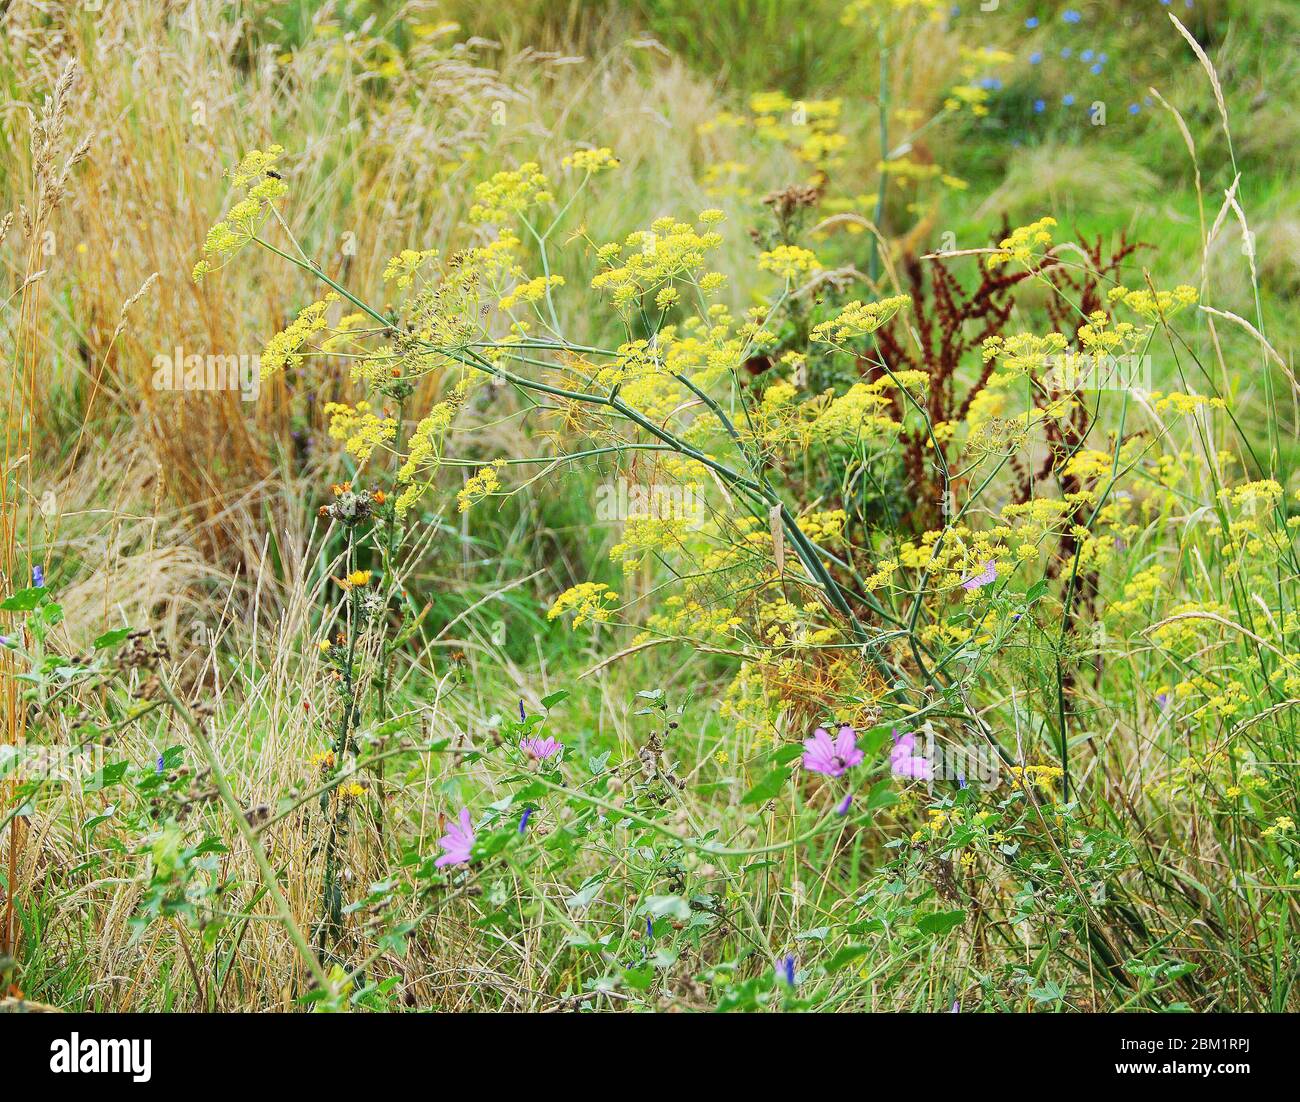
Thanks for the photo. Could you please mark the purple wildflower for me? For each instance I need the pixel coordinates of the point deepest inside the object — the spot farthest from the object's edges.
(834, 759)
(458, 841)
(904, 761)
(38, 575)
(158, 765)
(541, 748)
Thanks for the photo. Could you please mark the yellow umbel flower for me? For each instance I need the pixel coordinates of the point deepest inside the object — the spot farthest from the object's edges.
(591, 160)
(787, 261)
(262, 186)
(509, 193)
(587, 601)
(859, 319)
(1019, 246)
(480, 485)
(359, 428)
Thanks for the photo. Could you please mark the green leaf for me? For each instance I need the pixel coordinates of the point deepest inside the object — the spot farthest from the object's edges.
(666, 906)
(584, 895)
(767, 788)
(940, 922)
(24, 600)
(111, 774)
(639, 979)
(846, 956)
(111, 638)
(552, 699)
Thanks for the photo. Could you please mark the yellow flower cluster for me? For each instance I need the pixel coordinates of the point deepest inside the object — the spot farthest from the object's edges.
(533, 290)
(256, 176)
(1157, 306)
(1020, 244)
(479, 485)
(588, 601)
(424, 446)
(787, 261)
(859, 319)
(359, 427)
(648, 534)
(510, 192)
(649, 258)
(591, 160)
(862, 412)
(282, 350)
(1021, 354)
(402, 268)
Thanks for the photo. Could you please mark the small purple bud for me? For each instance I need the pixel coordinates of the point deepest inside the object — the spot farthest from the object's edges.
(787, 969)
(522, 715)
(649, 927)
(158, 766)
(842, 808)
(38, 575)
(523, 819)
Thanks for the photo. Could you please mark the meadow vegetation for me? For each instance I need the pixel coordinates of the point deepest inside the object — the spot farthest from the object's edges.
(551, 506)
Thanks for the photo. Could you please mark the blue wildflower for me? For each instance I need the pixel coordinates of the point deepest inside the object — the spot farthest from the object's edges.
(786, 969)
(1086, 55)
(1095, 68)
(1036, 57)
(1031, 22)
(1070, 15)
(1134, 108)
(1068, 99)
(1066, 51)
(38, 575)
(1040, 105)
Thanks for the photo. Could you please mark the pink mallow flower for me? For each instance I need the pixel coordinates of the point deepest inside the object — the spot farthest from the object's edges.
(541, 748)
(834, 759)
(458, 841)
(904, 761)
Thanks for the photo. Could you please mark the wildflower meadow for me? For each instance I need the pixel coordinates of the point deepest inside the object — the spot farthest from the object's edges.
(640, 506)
